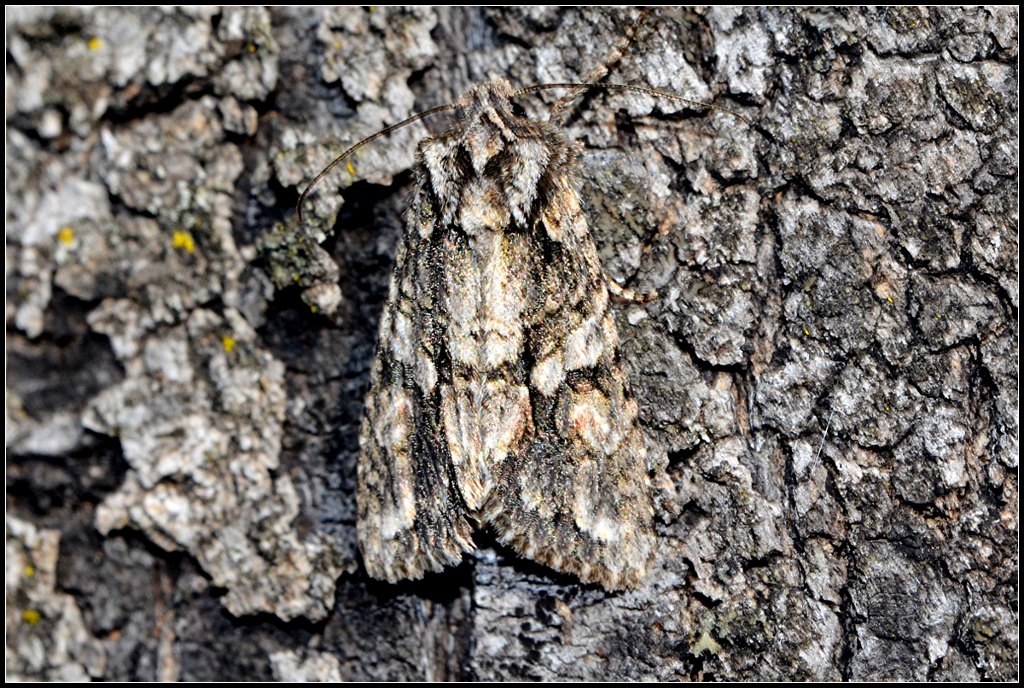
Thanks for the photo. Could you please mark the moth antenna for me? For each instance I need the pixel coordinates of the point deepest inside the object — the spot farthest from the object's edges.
(610, 61)
(583, 87)
(383, 132)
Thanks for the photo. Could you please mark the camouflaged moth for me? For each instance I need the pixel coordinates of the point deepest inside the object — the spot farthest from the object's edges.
(498, 397)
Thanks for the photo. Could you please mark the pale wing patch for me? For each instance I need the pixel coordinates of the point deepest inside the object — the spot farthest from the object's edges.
(402, 338)
(482, 421)
(504, 298)
(426, 373)
(589, 418)
(394, 410)
(530, 160)
(460, 413)
(462, 294)
(611, 333)
(445, 179)
(506, 418)
(585, 345)
(548, 374)
(600, 517)
(565, 217)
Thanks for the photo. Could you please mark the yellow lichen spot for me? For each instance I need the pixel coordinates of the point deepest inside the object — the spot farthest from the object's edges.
(351, 170)
(182, 239)
(251, 47)
(30, 571)
(314, 309)
(31, 616)
(938, 315)
(887, 409)
(66, 235)
(95, 44)
(889, 299)
(807, 332)
(705, 643)
(228, 342)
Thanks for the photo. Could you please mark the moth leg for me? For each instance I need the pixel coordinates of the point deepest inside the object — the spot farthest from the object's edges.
(670, 211)
(622, 294)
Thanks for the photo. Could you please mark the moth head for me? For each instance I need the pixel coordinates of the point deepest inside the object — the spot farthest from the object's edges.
(493, 105)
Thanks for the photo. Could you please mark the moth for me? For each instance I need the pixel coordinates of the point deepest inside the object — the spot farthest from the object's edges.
(498, 397)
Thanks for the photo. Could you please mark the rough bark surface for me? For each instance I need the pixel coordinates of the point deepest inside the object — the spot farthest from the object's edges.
(828, 382)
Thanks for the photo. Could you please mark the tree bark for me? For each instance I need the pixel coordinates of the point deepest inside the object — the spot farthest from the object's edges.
(827, 383)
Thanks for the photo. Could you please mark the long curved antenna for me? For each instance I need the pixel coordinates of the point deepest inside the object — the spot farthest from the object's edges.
(583, 87)
(383, 132)
(613, 58)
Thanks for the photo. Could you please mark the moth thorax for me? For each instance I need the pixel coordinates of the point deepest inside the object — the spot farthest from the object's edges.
(483, 207)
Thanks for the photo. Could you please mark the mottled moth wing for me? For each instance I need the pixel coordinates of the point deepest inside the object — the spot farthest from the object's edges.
(498, 395)
(411, 517)
(575, 494)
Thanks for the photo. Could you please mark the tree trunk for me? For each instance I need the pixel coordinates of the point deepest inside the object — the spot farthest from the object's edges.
(827, 383)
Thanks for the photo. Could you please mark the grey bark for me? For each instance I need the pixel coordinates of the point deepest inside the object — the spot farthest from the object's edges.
(828, 382)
